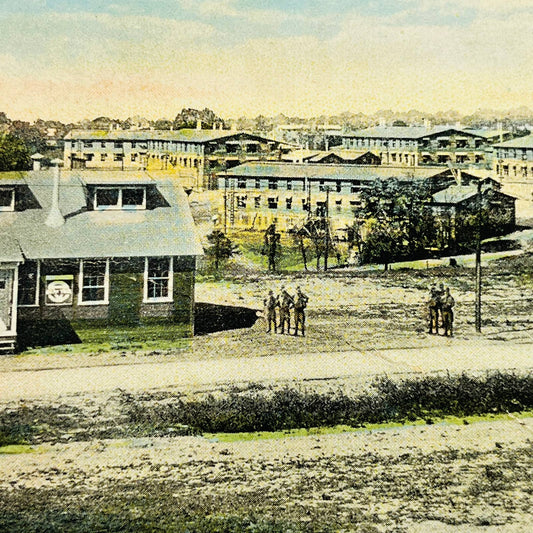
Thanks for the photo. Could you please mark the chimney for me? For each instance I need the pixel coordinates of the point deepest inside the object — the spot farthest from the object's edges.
(37, 161)
(198, 124)
(55, 218)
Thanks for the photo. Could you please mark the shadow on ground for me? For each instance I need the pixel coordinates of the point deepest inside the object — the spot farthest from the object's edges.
(210, 318)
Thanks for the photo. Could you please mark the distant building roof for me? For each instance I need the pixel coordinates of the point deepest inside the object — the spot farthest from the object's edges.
(455, 194)
(518, 142)
(167, 230)
(183, 135)
(255, 169)
(407, 132)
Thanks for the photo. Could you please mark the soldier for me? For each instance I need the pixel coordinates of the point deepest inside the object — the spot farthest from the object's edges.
(300, 304)
(440, 297)
(271, 302)
(447, 313)
(433, 310)
(286, 301)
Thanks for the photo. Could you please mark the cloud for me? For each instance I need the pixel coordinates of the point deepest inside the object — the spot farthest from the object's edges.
(72, 65)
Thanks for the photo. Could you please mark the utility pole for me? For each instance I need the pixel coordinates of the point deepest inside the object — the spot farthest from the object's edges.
(326, 229)
(477, 310)
(225, 204)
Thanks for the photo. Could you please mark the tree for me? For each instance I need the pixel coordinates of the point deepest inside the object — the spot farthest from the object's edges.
(14, 154)
(220, 249)
(188, 118)
(382, 244)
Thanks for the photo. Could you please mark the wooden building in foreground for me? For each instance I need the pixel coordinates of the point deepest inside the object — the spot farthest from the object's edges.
(104, 251)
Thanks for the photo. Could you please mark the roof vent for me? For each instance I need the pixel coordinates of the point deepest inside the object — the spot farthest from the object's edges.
(37, 161)
(55, 218)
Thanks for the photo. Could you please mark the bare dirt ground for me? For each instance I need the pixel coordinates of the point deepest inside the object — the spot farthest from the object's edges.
(475, 477)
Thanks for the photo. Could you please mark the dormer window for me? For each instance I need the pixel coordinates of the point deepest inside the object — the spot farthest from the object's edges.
(127, 198)
(7, 199)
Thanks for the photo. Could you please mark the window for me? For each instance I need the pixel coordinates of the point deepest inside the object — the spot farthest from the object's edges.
(89, 157)
(241, 202)
(94, 282)
(158, 279)
(120, 198)
(289, 185)
(288, 203)
(257, 183)
(118, 157)
(28, 283)
(241, 183)
(7, 199)
(134, 198)
(257, 202)
(102, 144)
(272, 202)
(103, 157)
(272, 184)
(133, 157)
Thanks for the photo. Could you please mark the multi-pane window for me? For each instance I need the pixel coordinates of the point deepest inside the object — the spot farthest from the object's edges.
(28, 283)
(158, 279)
(7, 199)
(241, 202)
(272, 202)
(272, 184)
(120, 198)
(94, 281)
(257, 202)
(241, 183)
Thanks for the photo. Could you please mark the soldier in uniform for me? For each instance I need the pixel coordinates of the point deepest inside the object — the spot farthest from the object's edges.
(300, 304)
(433, 310)
(440, 297)
(447, 313)
(286, 301)
(271, 302)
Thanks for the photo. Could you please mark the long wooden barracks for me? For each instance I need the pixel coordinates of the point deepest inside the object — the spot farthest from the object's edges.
(91, 249)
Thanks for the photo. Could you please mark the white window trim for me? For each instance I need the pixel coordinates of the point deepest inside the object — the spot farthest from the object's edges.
(119, 206)
(105, 301)
(11, 206)
(37, 292)
(168, 298)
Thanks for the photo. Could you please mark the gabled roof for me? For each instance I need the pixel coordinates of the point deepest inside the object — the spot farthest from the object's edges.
(455, 194)
(162, 231)
(518, 142)
(408, 132)
(183, 135)
(256, 169)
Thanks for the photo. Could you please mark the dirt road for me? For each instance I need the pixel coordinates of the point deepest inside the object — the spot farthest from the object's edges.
(346, 366)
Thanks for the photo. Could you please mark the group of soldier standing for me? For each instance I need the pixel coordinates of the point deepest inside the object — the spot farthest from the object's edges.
(278, 311)
(440, 310)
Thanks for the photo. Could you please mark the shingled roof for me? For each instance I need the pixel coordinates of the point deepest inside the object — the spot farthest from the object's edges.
(166, 230)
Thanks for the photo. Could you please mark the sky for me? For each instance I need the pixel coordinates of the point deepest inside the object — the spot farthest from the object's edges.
(73, 59)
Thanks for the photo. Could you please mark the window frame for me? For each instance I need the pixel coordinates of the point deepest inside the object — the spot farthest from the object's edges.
(37, 285)
(81, 285)
(120, 204)
(170, 287)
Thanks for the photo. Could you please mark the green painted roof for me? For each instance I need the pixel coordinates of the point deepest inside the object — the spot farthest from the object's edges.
(164, 231)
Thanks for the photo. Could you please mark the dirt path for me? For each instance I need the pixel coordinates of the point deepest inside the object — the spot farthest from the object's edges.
(451, 355)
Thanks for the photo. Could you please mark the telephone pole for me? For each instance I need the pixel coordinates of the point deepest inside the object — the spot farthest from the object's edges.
(477, 310)
(326, 229)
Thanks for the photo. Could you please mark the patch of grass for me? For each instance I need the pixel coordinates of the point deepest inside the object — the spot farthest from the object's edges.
(14, 449)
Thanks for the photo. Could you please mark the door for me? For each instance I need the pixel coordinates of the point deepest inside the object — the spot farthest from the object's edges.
(6, 299)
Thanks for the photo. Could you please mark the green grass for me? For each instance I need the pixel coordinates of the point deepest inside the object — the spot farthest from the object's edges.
(13, 449)
(335, 430)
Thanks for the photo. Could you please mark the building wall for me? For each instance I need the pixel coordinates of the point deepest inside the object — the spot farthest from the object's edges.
(513, 167)
(125, 308)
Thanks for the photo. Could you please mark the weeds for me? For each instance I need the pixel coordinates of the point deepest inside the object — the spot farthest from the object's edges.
(252, 409)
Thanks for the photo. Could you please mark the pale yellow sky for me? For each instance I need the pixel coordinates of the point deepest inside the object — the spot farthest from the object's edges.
(241, 57)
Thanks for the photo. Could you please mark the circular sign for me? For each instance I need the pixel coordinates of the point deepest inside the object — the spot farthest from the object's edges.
(58, 292)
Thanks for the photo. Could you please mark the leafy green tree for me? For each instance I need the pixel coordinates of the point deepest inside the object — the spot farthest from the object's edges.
(382, 244)
(14, 154)
(220, 248)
